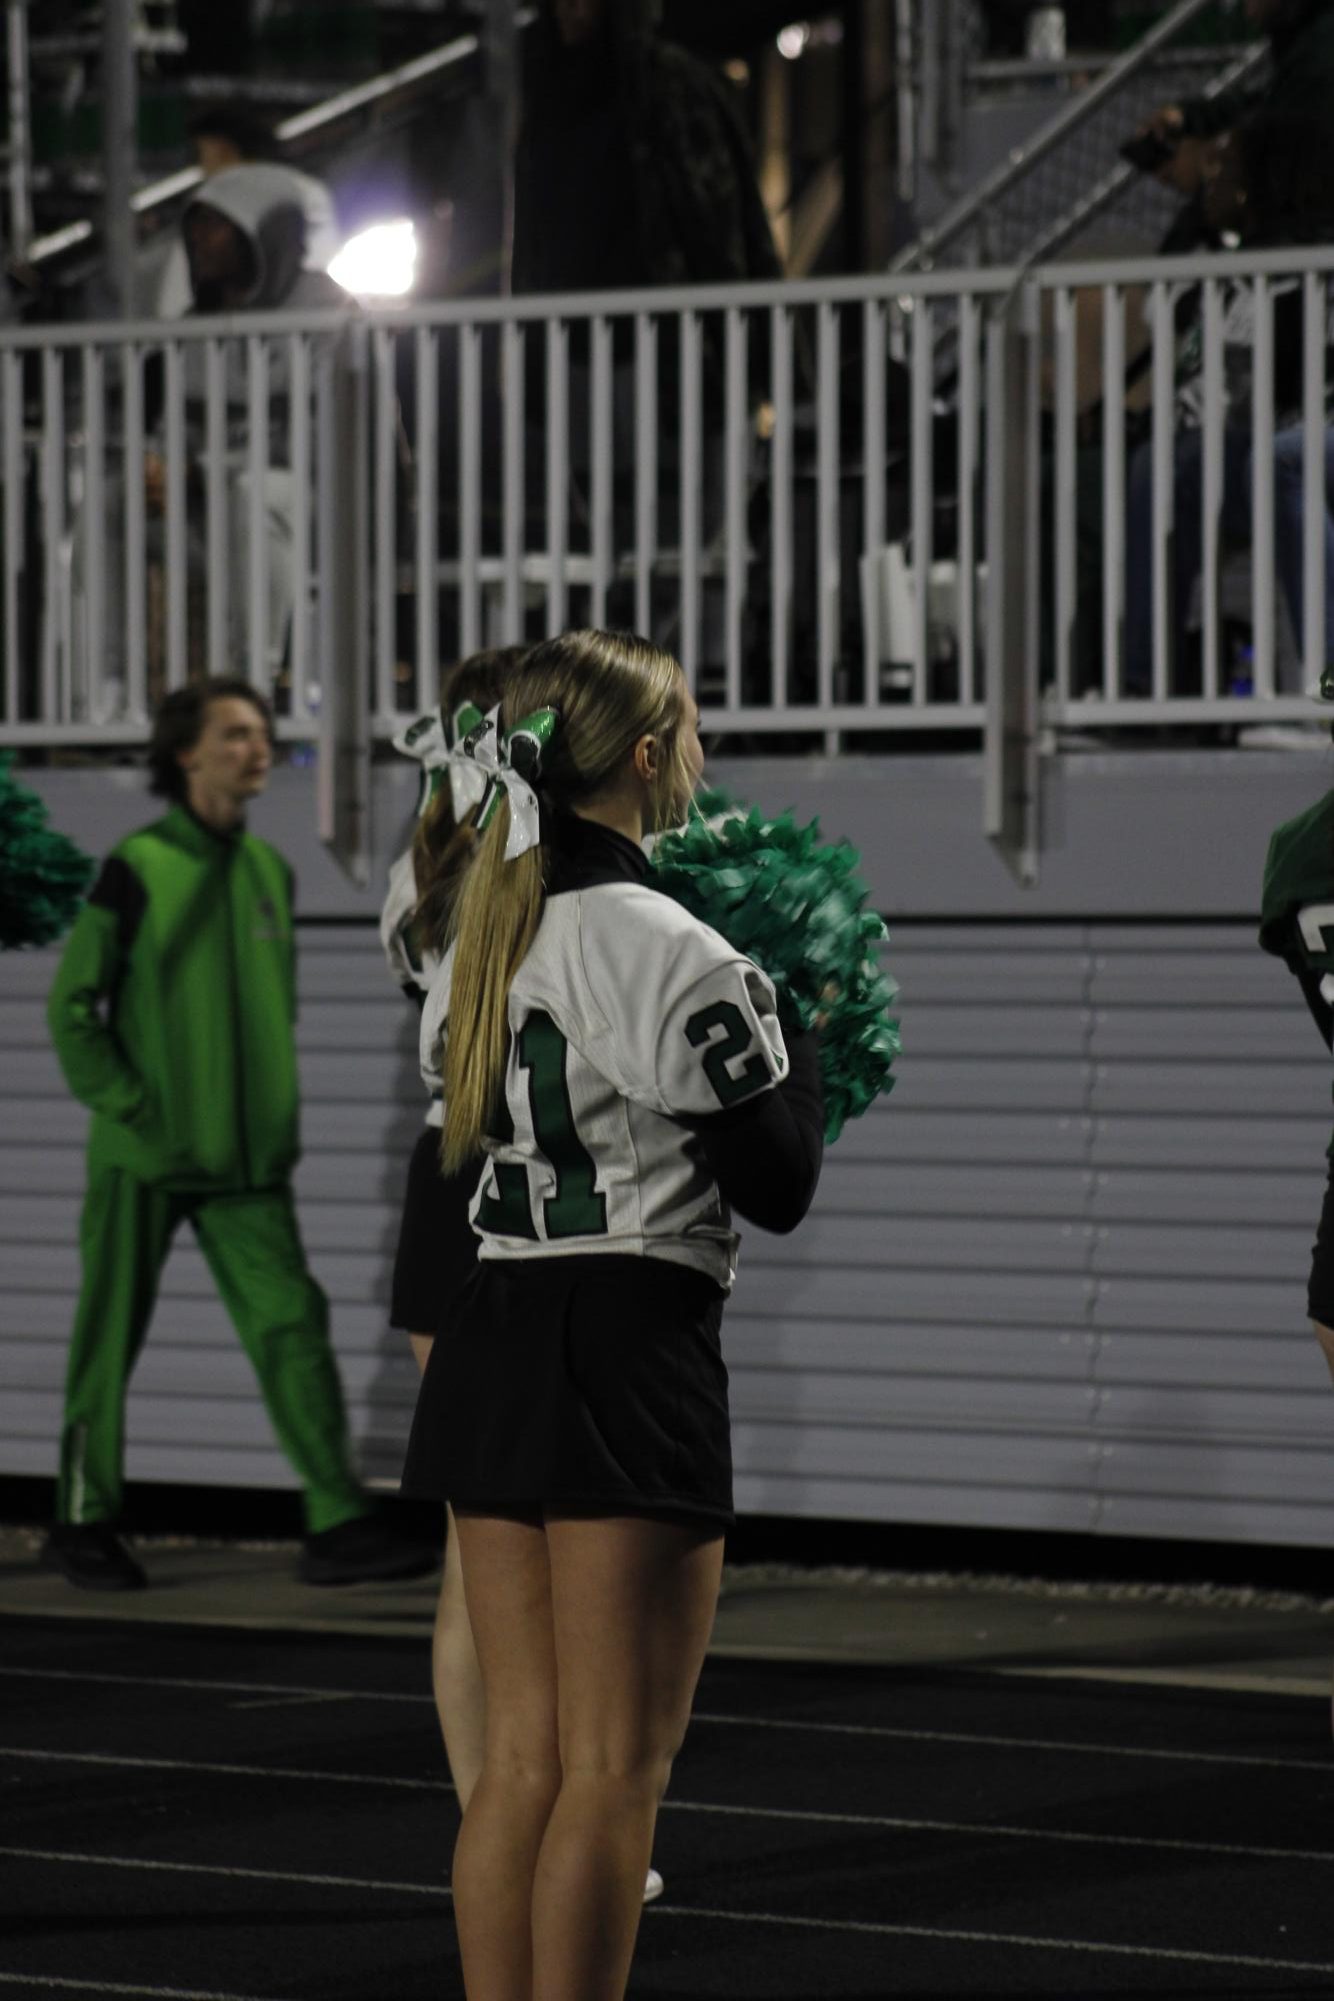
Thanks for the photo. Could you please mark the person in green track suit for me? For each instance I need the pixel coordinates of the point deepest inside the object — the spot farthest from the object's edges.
(172, 1013)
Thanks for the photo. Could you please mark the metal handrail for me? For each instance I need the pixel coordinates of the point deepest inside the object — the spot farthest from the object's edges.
(1023, 159)
(300, 129)
(1030, 69)
(993, 282)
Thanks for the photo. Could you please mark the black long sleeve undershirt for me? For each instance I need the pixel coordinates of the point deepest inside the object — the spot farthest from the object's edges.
(766, 1154)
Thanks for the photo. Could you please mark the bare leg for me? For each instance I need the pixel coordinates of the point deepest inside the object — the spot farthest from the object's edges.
(508, 1583)
(455, 1676)
(632, 1607)
(1325, 1336)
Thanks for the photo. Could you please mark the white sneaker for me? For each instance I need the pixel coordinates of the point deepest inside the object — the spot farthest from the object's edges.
(652, 1886)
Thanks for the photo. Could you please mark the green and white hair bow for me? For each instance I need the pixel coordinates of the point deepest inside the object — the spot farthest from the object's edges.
(436, 741)
(512, 764)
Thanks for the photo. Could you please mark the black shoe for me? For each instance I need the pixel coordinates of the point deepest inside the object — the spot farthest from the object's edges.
(91, 1555)
(362, 1551)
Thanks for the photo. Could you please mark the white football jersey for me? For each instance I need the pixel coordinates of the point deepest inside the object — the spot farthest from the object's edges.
(409, 967)
(626, 1016)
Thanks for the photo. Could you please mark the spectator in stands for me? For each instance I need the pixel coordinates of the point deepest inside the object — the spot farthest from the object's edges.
(227, 136)
(1300, 83)
(1290, 531)
(245, 242)
(1258, 185)
(633, 167)
(171, 1013)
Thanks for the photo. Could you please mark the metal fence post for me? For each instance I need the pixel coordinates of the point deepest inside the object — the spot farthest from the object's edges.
(120, 148)
(20, 129)
(343, 503)
(1010, 743)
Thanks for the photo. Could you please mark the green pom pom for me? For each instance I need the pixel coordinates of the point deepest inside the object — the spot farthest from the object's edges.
(796, 906)
(43, 876)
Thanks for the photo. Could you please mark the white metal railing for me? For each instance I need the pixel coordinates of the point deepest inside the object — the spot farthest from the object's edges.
(746, 474)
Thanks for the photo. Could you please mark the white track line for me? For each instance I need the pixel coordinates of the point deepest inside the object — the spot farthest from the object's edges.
(286, 1691)
(223, 1687)
(226, 1770)
(119, 1987)
(229, 1870)
(1209, 1683)
(948, 1936)
(1324, 1766)
(894, 1823)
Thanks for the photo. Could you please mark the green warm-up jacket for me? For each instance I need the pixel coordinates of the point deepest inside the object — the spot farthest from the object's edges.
(172, 1010)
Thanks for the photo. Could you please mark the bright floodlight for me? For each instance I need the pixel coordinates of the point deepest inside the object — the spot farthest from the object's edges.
(792, 40)
(377, 263)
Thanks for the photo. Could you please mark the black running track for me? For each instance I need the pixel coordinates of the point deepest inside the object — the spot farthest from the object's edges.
(225, 1814)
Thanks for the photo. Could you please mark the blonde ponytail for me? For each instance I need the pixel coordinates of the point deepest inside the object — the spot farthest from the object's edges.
(496, 915)
(610, 689)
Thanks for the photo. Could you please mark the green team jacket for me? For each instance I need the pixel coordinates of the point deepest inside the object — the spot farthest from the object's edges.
(172, 1010)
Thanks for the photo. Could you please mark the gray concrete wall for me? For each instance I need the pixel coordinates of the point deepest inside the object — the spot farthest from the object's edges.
(1127, 833)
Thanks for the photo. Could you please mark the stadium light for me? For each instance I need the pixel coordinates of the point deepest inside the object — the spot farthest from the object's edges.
(379, 262)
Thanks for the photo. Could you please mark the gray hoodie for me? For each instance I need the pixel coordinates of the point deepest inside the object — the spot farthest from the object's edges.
(323, 237)
(263, 202)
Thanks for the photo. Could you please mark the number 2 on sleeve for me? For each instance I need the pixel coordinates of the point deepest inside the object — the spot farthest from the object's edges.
(735, 1041)
(1314, 921)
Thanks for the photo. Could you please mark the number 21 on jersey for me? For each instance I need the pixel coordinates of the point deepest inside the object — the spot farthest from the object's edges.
(576, 1209)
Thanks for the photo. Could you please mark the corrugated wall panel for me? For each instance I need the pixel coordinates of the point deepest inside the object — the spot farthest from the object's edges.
(1144, 1361)
(862, 1347)
(1210, 1141)
(897, 1130)
(1055, 1281)
(1207, 1194)
(1019, 1189)
(1233, 1088)
(1200, 1304)
(1244, 1251)
(1213, 1103)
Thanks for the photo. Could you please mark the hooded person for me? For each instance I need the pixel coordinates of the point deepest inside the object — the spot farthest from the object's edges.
(245, 243)
(226, 137)
(246, 235)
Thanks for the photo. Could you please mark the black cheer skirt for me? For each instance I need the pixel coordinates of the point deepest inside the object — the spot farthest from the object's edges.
(437, 1251)
(1320, 1285)
(590, 1383)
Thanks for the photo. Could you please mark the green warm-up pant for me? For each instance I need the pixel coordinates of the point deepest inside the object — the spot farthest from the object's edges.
(253, 1249)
